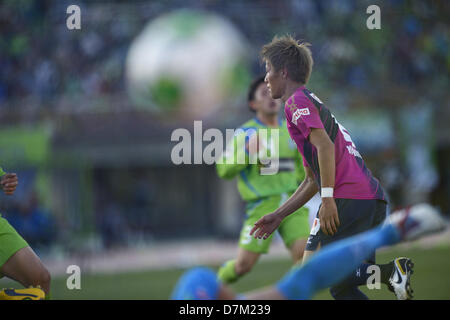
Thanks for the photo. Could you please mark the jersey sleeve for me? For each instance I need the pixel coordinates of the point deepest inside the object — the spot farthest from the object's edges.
(304, 115)
(235, 158)
(2, 172)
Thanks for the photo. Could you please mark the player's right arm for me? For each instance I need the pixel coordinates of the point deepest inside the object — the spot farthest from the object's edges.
(265, 226)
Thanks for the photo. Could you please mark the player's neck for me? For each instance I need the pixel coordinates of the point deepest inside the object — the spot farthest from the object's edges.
(291, 87)
(270, 120)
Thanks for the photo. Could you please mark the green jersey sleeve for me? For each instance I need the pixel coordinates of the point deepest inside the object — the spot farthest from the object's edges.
(234, 159)
(2, 172)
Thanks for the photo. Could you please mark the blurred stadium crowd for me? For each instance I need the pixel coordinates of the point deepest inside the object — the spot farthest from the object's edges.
(40, 59)
(402, 69)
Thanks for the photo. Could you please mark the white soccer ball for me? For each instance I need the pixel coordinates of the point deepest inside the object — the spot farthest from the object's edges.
(187, 64)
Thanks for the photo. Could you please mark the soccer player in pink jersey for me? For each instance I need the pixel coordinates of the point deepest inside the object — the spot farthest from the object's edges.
(353, 200)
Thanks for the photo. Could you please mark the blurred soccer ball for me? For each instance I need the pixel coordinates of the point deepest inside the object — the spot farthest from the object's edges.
(187, 64)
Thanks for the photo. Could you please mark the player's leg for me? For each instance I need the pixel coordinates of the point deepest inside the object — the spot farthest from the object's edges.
(400, 265)
(232, 270)
(326, 268)
(250, 248)
(26, 268)
(302, 282)
(375, 214)
(346, 255)
(245, 261)
(297, 249)
(294, 231)
(19, 262)
(355, 216)
(334, 262)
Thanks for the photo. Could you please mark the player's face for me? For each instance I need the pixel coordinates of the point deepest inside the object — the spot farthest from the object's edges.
(263, 101)
(274, 81)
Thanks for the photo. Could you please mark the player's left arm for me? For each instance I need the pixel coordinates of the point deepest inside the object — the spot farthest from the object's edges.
(8, 182)
(329, 219)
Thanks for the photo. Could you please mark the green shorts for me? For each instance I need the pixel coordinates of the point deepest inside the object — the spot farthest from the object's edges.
(10, 241)
(293, 227)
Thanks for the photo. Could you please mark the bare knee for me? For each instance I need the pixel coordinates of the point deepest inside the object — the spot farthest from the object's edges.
(297, 254)
(45, 277)
(42, 279)
(26, 268)
(297, 250)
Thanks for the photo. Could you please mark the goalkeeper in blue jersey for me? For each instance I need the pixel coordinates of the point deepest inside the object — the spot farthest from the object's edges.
(263, 192)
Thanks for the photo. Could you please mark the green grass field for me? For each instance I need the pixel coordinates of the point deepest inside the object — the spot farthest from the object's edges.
(431, 279)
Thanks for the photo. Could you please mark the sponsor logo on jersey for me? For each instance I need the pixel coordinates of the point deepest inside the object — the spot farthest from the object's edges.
(298, 113)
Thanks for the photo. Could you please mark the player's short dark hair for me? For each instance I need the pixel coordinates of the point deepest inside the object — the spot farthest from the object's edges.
(286, 52)
(252, 90)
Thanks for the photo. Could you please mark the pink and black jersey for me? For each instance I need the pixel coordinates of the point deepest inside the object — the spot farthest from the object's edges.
(353, 179)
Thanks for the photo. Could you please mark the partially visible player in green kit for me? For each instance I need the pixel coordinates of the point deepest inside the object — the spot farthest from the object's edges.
(263, 192)
(17, 260)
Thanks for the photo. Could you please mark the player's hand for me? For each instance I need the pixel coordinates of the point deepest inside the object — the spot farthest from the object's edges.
(265, 226)
(252, 144)
(9, 182)
(328, 215)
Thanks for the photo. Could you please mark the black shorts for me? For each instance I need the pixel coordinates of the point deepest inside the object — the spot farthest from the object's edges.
(355, 216)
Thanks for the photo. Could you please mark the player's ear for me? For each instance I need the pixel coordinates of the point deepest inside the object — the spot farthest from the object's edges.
(284, 73)
(252, 105)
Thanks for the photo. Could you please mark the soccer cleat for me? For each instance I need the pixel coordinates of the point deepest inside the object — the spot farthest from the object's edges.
(22, 294)
(400, 279)
(416, 221)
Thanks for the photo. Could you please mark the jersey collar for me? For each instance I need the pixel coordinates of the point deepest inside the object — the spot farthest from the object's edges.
(280, 122)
